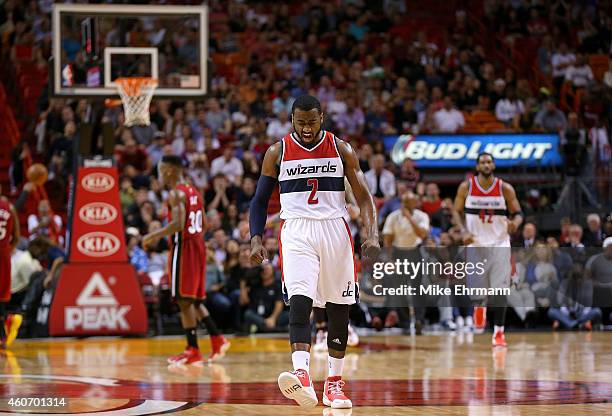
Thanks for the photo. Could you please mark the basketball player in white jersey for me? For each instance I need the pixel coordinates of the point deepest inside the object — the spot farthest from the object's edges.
(486, 202)
(315, 244)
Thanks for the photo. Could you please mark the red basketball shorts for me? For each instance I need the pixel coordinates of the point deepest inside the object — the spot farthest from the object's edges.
(187, 264)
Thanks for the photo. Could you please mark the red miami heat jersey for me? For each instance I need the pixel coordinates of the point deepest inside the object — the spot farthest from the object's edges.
(194, 211)
(6, 225)
(311, 181)
(187, 260)
(6, 237)
(486, 214)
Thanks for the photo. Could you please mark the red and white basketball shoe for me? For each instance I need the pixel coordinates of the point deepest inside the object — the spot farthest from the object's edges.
(219, 346)
(333, 395)
(296, 385)
(480, 319)
(189, 356)
(499, 340)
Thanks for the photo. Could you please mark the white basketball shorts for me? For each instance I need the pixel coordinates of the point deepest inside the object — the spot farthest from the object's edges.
(497, 265)
(317, 261)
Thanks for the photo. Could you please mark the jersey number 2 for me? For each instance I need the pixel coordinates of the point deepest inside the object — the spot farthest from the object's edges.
(483, 213)
(195, 222)
(312, 199)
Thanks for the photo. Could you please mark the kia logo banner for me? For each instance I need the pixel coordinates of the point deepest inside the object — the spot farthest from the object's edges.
(97, 299)
(97, 232)
(460, 151)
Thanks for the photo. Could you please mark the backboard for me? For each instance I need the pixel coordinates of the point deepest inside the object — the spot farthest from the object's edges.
(94, 44)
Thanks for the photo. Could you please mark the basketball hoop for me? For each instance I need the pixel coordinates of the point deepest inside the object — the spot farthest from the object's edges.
(136, 94)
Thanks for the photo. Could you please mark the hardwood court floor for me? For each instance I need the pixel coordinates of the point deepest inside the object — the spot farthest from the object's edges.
(540, 374)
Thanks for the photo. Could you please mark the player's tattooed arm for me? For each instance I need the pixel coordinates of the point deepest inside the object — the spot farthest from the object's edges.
(514, 208)
(458, 212)
(259, 203)
(176, 200)
(356, 178)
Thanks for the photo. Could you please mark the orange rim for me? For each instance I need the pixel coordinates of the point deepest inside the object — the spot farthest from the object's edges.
(131, 85)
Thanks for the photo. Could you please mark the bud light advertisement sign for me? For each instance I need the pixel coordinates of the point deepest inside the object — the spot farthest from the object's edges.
(461, 151)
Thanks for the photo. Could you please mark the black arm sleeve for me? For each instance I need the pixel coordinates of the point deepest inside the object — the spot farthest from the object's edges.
(259, 204)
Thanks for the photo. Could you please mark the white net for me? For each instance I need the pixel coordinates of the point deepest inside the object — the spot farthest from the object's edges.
(136, 95)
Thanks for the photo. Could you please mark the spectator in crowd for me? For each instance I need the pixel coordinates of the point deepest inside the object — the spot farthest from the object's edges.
(228, 165)
(509, 109)
(279, 127)
(560, 258)
(431, 202)
(579, 73)
(131, 154)
(138, 257)
(594, 235)
(404, 230)
(23, 266)
(575, 246)
(381, 182)
(46, 224)
(575, 300)
(448, 119)
(573, 141)
(217, 300)
(521, 298)
(550, 119)
(561, 60)
(217, 119)
(352, 122)
(528, 236)
(265, 312)
(599, 269)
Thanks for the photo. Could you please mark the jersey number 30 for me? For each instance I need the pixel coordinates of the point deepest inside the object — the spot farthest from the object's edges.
(195, 222)
(312, 199)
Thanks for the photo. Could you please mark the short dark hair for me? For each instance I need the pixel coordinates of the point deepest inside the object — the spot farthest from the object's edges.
(305, 103)
(173, 160)
(484, 154)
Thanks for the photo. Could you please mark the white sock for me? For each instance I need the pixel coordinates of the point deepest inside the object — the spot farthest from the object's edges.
(301, 360)
(335, 366)
(497, 328)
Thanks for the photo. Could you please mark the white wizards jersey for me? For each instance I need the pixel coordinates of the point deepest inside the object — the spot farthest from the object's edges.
(311, 180)
(486, 214)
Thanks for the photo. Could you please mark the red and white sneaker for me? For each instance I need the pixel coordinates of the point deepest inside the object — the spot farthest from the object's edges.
(219, 346)
(333, 395)
(189, 356)
(480, 319)
(296, 385)
(499, 340)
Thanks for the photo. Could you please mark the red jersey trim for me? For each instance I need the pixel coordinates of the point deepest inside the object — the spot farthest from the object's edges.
(477, 190)
(295, 151)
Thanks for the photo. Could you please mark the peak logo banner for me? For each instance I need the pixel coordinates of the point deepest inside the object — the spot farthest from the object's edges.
(461, 151)
(100, 299)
